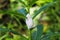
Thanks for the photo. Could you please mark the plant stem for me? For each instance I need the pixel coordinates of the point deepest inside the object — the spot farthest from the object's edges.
(29, 34)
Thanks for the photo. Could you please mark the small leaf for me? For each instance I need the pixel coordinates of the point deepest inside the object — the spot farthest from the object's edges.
(23, 11)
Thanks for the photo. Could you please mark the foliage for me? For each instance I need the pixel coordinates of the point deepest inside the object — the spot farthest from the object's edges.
(13, 26)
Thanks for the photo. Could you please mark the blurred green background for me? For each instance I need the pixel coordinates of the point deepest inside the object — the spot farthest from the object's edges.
(45, 14)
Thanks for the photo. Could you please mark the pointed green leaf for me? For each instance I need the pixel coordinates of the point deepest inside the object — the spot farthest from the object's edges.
(37, 34)
(43, 8)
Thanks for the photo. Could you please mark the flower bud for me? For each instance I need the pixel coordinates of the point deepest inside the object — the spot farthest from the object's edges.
(29, 21)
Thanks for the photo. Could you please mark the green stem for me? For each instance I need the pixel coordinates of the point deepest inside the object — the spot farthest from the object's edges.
(29, 34)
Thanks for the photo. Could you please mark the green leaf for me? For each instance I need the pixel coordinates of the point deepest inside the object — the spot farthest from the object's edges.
(14, 32)
(43, 8)
(46, 36)
(22, 11)
(22, 37)
(37, 34)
